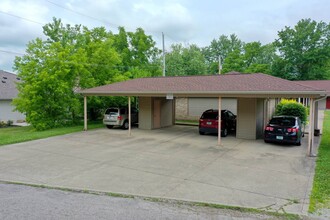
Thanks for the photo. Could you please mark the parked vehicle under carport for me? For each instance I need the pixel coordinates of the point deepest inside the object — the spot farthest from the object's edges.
(115, 116)
(284, 129)
(208, 122)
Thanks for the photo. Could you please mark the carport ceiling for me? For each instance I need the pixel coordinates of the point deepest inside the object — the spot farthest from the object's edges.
(226, 85)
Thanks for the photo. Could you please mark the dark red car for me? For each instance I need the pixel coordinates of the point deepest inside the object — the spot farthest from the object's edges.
(208, 122)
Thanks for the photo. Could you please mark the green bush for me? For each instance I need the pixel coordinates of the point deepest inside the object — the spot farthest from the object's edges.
(10, 123)
(293, 108)
(3, 124)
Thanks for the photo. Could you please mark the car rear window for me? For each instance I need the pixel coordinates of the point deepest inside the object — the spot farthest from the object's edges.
(283, 121)
(210, 115)
(110, 111)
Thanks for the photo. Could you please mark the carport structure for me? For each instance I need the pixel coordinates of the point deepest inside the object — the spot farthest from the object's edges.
(255, 93)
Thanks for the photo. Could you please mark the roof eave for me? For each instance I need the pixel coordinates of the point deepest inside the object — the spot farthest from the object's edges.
(311, 94)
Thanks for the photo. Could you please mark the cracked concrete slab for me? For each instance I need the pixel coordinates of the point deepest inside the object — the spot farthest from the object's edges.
(174, 162)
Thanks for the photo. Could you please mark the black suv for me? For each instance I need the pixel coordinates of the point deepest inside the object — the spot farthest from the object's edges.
(208, 122)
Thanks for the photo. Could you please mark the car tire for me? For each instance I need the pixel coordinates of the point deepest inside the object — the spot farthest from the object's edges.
(224, 132)
(201, 132)
(125, 125)
(266, 141)
(109, 126)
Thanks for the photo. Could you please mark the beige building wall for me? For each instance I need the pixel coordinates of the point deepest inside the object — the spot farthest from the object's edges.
(145, 113)
(269, 109)
(260, 118)
(166, 113)
(246, 118)
(250, 118)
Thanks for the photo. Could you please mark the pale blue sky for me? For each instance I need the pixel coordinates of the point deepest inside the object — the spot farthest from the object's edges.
(182, 21)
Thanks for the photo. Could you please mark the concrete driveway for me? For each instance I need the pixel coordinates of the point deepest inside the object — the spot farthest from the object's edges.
(174, 163)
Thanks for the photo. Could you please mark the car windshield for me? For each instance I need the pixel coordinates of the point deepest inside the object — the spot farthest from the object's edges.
(111, 111)
(283, 121)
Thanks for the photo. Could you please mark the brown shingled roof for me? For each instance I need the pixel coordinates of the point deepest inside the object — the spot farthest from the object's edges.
(317, 84)
(227, 84)
(8, 90)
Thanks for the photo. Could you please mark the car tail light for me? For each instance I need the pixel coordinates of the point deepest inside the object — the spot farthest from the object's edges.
(268, 128)
(292, 130)
(120, 118)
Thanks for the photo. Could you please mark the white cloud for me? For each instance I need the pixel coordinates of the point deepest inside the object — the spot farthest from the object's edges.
(170, 17)
(192, 21)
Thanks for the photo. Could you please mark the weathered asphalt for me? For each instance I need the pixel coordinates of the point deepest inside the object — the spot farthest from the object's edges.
(30, 203)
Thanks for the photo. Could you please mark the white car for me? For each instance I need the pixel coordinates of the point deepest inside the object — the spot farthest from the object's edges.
(115, 116)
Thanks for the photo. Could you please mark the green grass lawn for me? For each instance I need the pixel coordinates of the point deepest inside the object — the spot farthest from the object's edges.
(320, 197)
(13, 135)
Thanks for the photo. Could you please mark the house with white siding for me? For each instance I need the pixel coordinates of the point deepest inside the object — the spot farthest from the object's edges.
(8, 92)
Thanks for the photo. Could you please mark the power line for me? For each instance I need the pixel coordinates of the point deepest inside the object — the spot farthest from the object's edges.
(90, 17)
(27, 19)
(11, 52)
(97, 19)
(87, 16)
(81, 14)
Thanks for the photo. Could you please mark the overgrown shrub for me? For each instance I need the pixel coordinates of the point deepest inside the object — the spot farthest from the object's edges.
(3, 124)
(292, 108)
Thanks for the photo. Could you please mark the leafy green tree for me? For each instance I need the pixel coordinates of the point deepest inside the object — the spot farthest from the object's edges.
(304, 51)
(75, 57)
(234, 62)
(183, 61)
(258, 58)
(140, 56)
(253, 58)
(50, 74)
(222, 46)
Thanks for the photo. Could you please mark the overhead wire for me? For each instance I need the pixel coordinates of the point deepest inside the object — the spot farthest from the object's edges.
(82, 14)
(113, 24)
(73, 11)
(11, 52)
(97, 19)
(16, 16)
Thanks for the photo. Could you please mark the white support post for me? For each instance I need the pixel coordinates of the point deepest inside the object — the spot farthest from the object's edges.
(129, 116)
(316, 115)
(266, 112)
(219, 122)
(311, 128)
(85, 113)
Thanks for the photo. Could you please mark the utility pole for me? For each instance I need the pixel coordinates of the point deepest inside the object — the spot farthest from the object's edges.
(164, 66)
(220, 67)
